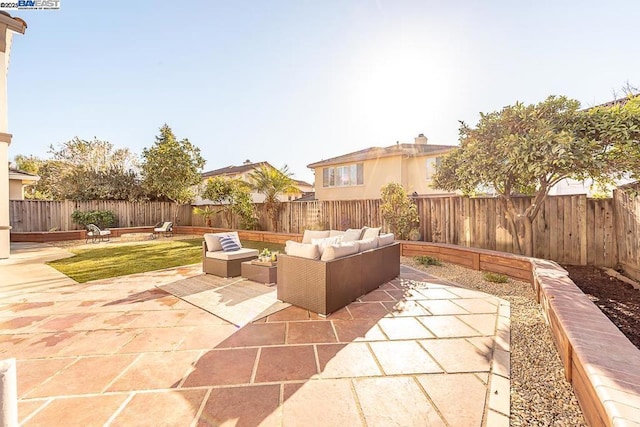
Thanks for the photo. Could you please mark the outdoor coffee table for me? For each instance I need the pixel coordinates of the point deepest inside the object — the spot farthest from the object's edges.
(259, 272)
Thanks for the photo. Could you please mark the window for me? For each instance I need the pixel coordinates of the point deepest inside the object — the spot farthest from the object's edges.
(343, 176)
(433, 163)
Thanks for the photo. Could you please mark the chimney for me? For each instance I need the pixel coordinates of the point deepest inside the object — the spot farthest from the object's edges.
(420, 139)
(247, 162)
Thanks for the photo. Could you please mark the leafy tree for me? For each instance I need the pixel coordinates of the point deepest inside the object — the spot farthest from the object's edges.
(527, 149)
(398, 210)
(171, 168)
(273, 183)
(84, 170)
(235, 197)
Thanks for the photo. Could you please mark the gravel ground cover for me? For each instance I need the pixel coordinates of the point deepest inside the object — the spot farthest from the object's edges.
(540, 395)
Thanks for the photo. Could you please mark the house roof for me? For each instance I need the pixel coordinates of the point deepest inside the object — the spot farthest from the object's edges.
(619, 101)
(245, 167)
(234, 170)
(379, 152)
(13, 22)
(22, 175)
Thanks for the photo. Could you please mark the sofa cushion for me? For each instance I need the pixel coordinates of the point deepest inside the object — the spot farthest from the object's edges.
(352, 234)
(370, 232)
(340, 250)
(229, 244)
(302, 250)
(385, 239)
(327, 241)
(213, 241)
(228, 256)
(334, 233)
(367, 244)
(314, 234)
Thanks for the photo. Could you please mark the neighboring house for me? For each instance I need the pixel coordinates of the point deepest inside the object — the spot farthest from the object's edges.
(242, 172)
(18, 180)
(361, 174)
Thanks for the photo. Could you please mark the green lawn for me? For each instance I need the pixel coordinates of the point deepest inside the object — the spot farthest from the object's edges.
(119, 260)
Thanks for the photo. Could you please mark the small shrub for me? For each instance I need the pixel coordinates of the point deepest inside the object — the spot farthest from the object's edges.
(103, 219)
(495, 277)
(427, 260)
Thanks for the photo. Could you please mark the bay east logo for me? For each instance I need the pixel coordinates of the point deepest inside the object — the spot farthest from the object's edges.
(30, 4)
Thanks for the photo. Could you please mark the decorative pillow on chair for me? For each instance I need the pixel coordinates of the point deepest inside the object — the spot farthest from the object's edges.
(314, 234)
(229, 244)
(352, 234)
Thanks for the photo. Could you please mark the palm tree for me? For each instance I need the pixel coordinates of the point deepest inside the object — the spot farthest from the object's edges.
(206, 212)
(273, 183)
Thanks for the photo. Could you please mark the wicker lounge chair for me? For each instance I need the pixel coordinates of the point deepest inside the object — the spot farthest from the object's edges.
(96, 235)
(164, 228)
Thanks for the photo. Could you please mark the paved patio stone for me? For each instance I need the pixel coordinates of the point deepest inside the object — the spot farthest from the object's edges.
(173, 408)
(86, 411)
(407, 406)
(310, 332)
(120, 351)
(223, 367)
(326, 402)
(242, 406)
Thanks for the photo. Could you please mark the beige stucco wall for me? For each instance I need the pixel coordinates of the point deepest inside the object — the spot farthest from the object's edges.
(4, 145)
(376, 174)
(411, 172)
(416, 176)
(16, 190)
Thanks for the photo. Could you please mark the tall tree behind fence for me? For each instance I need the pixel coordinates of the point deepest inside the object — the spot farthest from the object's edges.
(38, 215)
(569, 230)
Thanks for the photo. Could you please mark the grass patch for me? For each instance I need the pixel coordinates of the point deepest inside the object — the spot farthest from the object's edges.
(427, 260)
(494, 277)
(120, 260)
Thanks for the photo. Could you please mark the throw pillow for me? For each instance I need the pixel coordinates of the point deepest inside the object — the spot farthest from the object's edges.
(327, 241)
(213, 242)
(303, 250)
(314, 234)
(366, 244)
(340, 250)
(229, 244)
(385, 239)
(370, 232)
(235, 237)
(352, 234)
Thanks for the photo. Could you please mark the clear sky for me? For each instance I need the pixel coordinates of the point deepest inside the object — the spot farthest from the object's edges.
(295, 82)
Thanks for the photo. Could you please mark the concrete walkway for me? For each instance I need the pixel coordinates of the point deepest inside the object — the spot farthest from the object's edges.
(418, 351)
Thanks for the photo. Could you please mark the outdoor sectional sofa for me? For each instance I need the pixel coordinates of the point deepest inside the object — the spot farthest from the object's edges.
(325, 283)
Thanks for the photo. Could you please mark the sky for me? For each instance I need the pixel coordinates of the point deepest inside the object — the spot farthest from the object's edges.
(296, 82)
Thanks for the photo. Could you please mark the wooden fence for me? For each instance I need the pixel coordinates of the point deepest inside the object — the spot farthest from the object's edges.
(627, 220)
(569, 230)
(38, 215)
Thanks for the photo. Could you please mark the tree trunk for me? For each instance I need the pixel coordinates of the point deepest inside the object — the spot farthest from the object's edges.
(521, 228)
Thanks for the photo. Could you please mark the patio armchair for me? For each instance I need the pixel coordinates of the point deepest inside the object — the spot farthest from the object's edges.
(96, 234)
(164, 228)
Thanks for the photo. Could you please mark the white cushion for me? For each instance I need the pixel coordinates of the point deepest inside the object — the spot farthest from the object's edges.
(370, 232)
(101, 233)
(352, 234)
(341, 250)
(327, 241)
(314, 234)
(334, 233)
(303, 250)
(213, 240)
(239, 254)
(385, 239)
(366, 244)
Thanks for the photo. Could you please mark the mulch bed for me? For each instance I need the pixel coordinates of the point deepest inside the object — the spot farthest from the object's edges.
(618, 300)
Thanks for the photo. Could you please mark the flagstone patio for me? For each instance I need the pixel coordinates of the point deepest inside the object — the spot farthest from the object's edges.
(417, 351)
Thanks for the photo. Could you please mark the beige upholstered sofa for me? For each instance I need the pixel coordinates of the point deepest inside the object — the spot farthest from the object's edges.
(323, 275)
(224, 263)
